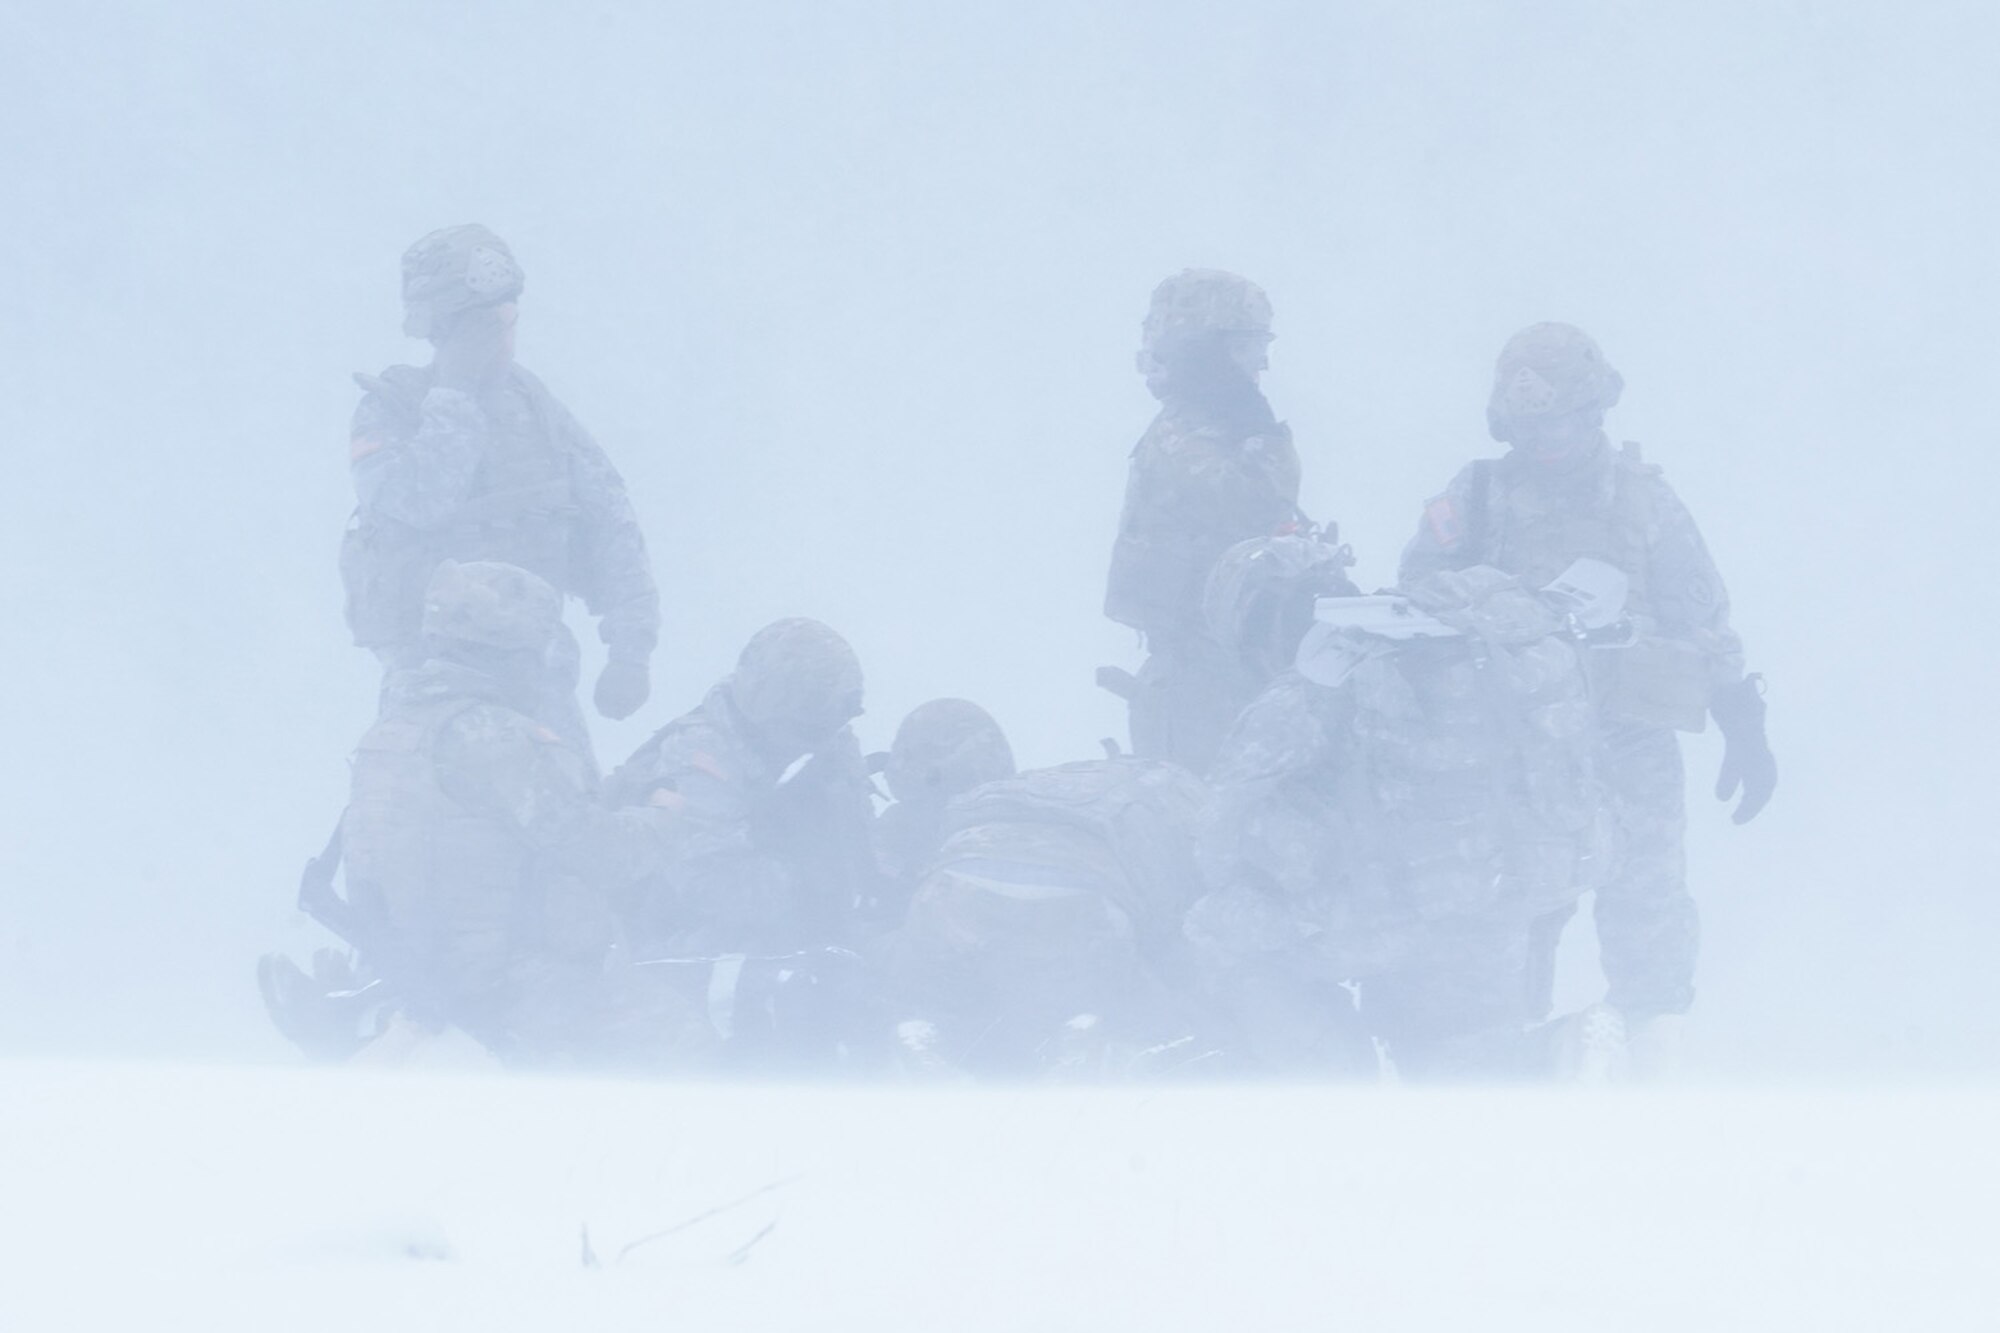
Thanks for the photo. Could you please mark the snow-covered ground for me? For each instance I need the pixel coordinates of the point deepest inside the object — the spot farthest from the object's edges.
(218, 1198)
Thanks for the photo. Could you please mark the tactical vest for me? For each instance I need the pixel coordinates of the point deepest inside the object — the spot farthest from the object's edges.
(1659, 681)
(520, 510)
(1168, 539)
(1536, 535)
(448, 885)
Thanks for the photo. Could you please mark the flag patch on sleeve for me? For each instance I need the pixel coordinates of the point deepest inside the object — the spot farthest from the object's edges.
(1447, 528)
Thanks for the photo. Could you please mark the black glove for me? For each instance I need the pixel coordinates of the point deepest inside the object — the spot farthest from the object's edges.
(621, 688)
(1747, 761)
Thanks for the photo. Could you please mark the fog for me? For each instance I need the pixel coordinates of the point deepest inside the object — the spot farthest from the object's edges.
(850, 293)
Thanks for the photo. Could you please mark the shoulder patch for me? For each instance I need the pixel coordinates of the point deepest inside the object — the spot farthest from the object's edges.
(1447, 526)
(545, 735)
(363, 445)
(704, 762)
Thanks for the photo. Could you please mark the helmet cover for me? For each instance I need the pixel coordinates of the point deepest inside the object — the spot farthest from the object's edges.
(1549, 370)
(945, 747)
(1199, 301)
(492, 605)
(1258, 600)
(452, 270)
(797, 681)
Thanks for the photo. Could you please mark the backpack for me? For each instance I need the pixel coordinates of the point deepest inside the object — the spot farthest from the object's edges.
(1140, 813)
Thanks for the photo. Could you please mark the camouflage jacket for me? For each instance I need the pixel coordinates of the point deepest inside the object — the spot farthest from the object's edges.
(1533, 522)
(468, 818)
(1423, 789)
(509, 476)
(1198, 485)
(766, 858)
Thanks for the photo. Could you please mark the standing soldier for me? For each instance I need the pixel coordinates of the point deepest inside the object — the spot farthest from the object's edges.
(471, 458)
(1215, 468)
(1560, 493)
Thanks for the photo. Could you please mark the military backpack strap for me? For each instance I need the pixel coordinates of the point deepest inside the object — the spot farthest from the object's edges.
(1477, 524)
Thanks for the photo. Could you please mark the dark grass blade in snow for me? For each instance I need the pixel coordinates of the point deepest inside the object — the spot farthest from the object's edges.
(712, 1212)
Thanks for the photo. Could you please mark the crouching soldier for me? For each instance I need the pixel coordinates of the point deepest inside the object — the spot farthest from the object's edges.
(1044, 939)
(769, 802)
(942, 750)
(1414, 820)
(479, 864)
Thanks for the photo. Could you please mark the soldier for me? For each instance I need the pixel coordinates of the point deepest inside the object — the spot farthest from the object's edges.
(1562, 492)
(1044, 939)
(770, 803)
(943, 749)
(480, 867)
(471, 458)
(1405, 825)
(1214, 468)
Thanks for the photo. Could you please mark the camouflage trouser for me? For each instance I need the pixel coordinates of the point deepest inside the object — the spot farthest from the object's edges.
(557, 709)
(1001, 967)
(1462, 1004)
(1183, 705)
(536, 982)
(1648, 931)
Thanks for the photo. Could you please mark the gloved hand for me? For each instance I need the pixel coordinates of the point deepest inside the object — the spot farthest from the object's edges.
(621, 688)
(1747, 761)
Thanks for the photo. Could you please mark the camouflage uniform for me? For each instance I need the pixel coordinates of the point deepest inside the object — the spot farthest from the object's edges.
(1533, 517)
(1407, 830)
(501, 473)
(769, 801)
(942, 750)
(1257, 605)
(477, 854)
(1044, 939)
(1214, 468)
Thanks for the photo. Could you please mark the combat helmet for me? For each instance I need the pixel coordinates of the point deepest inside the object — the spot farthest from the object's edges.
(452, 270)
(1549, 370)
(943, 748)
(1193, 304)
(796, 684)
(486, 604)
(1258, 601)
